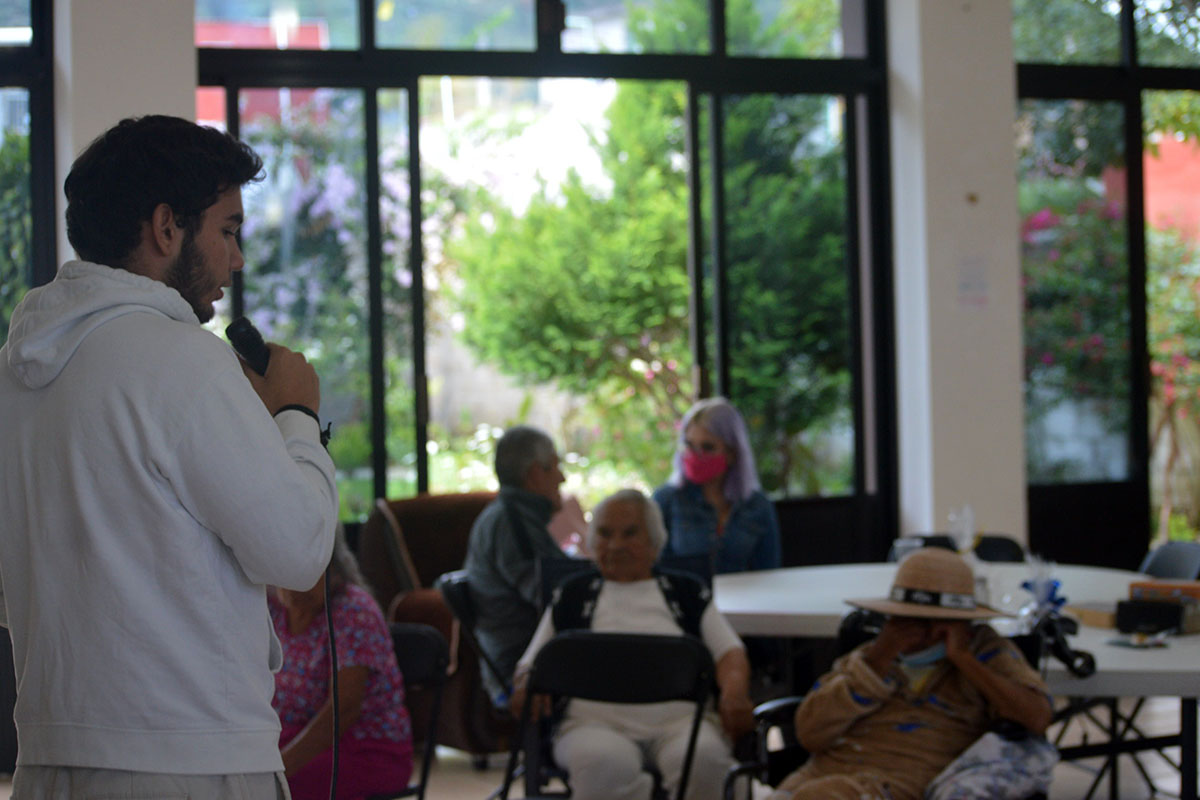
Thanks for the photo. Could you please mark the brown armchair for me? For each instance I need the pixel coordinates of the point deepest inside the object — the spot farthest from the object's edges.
(402, 548)
(406, 544)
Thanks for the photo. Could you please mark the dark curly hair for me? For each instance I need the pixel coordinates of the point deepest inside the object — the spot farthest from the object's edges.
(127, 171)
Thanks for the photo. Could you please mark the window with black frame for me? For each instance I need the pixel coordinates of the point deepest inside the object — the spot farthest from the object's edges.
(18, 63)
(568, 263)
(1108, 148)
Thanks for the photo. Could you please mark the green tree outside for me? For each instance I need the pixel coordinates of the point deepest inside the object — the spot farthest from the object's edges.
(587, 288)
(16, 229)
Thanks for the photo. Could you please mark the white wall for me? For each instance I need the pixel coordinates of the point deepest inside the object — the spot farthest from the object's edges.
(958, 295)
(116, 59)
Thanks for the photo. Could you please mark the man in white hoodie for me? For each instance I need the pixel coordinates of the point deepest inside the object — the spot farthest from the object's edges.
(151, 485)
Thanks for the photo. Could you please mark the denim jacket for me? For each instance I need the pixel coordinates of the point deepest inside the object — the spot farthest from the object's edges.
(750, 540)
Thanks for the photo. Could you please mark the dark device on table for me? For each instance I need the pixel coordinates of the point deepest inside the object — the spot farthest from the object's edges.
(1149, 616)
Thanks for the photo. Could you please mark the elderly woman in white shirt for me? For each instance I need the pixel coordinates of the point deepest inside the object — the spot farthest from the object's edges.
(603, 745)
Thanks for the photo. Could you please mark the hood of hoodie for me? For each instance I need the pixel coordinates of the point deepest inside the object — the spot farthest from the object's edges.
(51, 321)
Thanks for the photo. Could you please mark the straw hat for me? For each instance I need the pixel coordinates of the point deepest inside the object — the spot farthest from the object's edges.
(932, 582)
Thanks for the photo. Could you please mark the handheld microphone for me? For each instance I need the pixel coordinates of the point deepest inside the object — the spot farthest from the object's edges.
(249, 344)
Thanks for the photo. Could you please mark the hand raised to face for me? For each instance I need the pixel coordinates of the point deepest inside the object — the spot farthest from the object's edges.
(957, 636)
(898, 635)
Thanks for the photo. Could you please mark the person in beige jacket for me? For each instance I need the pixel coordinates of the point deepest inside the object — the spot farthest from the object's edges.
(894, 712)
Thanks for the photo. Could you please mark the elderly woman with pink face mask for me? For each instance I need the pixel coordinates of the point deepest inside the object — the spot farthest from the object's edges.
(712, 504)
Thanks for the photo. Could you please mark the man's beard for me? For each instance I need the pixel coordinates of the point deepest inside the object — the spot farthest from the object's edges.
(188, 277)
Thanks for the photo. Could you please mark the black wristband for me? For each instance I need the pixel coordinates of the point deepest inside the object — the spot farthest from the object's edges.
(303, 409)
(325, 434)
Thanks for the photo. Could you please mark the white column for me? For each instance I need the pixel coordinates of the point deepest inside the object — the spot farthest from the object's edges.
(116, 59)
(958, 294)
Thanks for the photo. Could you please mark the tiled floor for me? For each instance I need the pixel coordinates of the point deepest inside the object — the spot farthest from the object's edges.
(1159, 716)
(454, 778)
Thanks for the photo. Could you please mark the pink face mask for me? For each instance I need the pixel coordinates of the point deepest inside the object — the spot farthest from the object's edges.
(703, 467)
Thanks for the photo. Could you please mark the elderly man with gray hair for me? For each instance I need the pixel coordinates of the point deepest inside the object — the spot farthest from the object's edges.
(604, 745)
(505, 544)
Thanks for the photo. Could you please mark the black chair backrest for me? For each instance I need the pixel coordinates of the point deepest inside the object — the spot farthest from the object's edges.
(621, 668)
(858, 627)
(456, 589)
(998, 547)
(421, 652)
(698, 565)
(1177, 560)
(942, 540)
(423, 656)
(553, 571)
(1031, 646)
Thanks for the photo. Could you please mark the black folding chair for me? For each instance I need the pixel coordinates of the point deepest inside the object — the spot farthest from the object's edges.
(1174, 560)
(698, 565)
(423, 657)
(616, 668)
(998, 547)
(456, 589)
(553, 571)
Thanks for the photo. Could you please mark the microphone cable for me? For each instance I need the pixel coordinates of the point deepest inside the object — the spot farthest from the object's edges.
(249, 344)
(333, 681)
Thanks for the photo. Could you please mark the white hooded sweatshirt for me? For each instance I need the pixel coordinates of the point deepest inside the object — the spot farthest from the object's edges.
(146, 498)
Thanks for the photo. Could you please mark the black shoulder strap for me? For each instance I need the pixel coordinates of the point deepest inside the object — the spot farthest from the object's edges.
(574, 601)
(686, 598)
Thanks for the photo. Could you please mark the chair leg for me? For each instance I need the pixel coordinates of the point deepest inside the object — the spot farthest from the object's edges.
(1113, 778)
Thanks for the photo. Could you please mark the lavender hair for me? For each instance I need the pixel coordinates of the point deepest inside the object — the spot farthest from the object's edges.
(718, 416)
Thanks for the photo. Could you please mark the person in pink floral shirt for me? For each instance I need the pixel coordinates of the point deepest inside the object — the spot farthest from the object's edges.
(375, 746)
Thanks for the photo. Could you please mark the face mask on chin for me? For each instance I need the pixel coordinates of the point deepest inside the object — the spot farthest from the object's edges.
(923, 658)
(703, 467)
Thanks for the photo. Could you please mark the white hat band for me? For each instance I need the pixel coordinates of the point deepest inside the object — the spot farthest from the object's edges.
(921, 597)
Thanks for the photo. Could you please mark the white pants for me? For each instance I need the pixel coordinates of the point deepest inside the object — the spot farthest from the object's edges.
(605, 764)
(82, 783)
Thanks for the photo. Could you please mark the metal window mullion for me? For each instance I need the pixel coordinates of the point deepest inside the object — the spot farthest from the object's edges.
(718, 29)
(549, 19)
(695, 254)
(853, 261)
(233, 124)
(1139, 384)
(1135, 193)
(366, 30)
(720, 278)
(379, 455)
(392, 68)
(416, 259)
(882, 280)
(43, 181)
(1071, 82)
(1128, 35)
